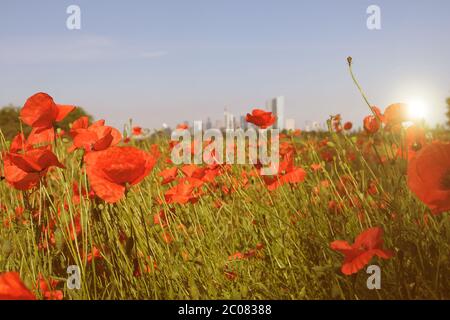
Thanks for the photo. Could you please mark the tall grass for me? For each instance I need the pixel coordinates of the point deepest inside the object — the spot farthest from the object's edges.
(294, 224)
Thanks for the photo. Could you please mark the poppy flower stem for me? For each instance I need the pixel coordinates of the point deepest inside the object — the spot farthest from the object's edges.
(26, 200)
(355, 81)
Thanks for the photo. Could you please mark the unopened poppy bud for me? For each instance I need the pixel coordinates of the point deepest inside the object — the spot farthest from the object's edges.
(349, 60)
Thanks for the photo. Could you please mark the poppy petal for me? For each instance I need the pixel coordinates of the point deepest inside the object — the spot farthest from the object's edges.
(106, 190)
(354, 264)
(41, 136)
(12, 288)
(63, 111)
(39, 111)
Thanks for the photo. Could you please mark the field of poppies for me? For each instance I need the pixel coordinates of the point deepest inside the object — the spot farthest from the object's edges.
(140, 227)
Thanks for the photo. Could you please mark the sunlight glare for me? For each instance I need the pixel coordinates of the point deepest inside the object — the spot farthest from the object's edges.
(417, 109)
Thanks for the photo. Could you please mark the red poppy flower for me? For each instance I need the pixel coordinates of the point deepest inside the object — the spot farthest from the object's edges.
(193, 171)
(286, 148)
(236, 256)
(110, 171)
(81, 123)
(137, 131)
(348, 126)
(336, 122)
(371, 124)
(12, 288)
(396, 114)
(211, 173)
(37, 135)
(168, 175)
(41, 135)
(429, 176)
(183, 192)
(96, 137)
(415, 141)
(288, 173)
(372, 188)
(368, 244)
(19, 143)
(94, 254)
(261, 118)
(40, 111)
(24, 171)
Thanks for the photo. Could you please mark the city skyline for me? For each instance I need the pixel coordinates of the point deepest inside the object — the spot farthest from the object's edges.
(166, 61)
(231, 121)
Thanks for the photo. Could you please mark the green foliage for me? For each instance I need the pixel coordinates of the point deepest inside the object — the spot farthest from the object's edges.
(448, 112)
(294, 224)
(9, 121)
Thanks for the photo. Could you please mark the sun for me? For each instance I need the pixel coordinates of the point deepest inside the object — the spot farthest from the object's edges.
(417, 109)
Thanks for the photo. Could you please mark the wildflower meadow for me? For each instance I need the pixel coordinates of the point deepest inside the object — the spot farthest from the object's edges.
(97, 213)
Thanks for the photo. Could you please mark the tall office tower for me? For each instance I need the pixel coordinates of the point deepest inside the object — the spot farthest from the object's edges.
(276, 105)
(290, 124)
(229, 120)
(208, 124)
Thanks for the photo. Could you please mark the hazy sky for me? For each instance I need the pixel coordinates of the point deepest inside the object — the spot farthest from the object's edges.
(169, 61)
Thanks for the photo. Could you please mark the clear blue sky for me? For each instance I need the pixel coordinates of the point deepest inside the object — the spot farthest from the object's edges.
(169, 61)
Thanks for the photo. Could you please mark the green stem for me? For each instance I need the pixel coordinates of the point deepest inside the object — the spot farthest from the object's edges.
(355, 81)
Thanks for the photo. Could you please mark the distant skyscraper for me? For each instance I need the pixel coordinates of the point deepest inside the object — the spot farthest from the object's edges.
(290, 124)
(276, 105)
(229, 120)
(208, 124)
